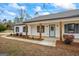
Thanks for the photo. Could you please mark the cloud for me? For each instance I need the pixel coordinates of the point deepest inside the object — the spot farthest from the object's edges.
(45, 13)
(68, 6)
(10, 13)
(38, 8)
(15, 5)
(42, 13)
(23, 7)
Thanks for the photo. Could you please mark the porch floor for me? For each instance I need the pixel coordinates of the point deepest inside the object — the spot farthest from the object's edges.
(76, 40)
(46, 41)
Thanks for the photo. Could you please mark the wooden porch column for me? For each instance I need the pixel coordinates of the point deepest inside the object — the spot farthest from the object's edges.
(26, 30)
(61, 33)
(40, 32)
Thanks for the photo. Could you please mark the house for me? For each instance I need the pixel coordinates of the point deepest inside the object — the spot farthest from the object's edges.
(52, 25)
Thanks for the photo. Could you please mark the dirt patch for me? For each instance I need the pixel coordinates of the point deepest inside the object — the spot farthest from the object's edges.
(18, 48)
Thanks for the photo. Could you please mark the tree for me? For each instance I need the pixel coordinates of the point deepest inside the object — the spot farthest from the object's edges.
(1, 11)
(4, 20)
(16, 20)
(9, 24)
(28, 16)
(2, 27)
(22, 15)
(36, 13)
(0, 20)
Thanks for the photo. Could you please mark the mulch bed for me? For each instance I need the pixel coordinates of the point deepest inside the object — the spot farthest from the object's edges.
(72, 47)
(24, 37)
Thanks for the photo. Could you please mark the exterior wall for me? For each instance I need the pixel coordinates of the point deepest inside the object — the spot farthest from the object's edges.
(57, 27)
(57, 30)
(75, 34)
(20, 29)
(32, 30)
(32, 27)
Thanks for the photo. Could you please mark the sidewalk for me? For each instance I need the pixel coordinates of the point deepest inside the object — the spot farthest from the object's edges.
(45, 42)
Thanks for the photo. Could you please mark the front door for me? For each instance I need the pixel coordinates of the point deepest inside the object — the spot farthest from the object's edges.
(52, 30)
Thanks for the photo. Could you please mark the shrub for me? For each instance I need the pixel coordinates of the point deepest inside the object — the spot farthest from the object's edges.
(17, 34)
(20, 34)
(11, 34)
(2, 27)
(68, 39)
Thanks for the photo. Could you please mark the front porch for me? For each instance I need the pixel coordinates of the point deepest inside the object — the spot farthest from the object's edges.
(49, 29)
(43, 30)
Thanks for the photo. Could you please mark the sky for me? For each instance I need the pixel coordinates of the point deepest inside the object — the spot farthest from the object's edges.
(11, 10)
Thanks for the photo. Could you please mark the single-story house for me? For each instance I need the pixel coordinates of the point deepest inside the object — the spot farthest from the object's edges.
(52, 25)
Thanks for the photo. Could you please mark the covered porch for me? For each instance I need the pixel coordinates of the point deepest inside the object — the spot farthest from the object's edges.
(44, 30)
(51, 29)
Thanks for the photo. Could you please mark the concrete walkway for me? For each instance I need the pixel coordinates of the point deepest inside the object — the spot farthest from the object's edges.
(46, 41)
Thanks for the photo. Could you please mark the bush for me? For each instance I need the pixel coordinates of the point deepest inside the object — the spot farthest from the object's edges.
(17, 34)
(2, 27)
(68, 39)
(20, 34)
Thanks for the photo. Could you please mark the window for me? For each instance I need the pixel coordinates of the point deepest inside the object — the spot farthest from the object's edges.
(17, 29)
(24, 29)
(52, 28)
(71, 28)
(77, 28)
(40, 29)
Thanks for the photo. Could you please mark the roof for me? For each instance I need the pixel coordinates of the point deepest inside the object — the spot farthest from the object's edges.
(18, 24)
(61, 15)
